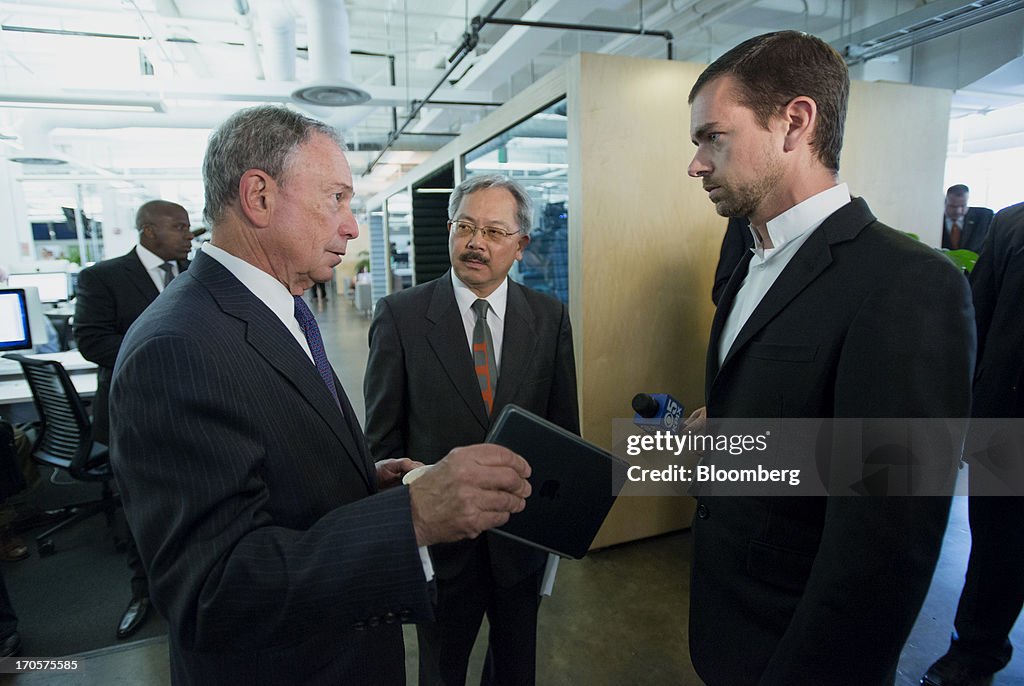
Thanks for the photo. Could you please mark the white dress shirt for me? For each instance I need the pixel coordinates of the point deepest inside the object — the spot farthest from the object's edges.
(153, 263)
(266, 288)
(787, 232)
(497, 302)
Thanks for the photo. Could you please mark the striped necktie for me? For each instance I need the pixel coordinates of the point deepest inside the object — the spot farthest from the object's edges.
(483, 355)
(168, 273)
(307, 322)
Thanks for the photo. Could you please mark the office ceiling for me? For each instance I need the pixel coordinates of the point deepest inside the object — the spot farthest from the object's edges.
(126, 91)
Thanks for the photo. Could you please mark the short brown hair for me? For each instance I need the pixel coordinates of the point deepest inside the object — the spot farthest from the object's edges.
(774, 68)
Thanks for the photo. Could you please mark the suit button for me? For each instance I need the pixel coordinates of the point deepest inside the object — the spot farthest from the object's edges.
(390, 618)
(359, 626)
(405, 614)
(374, 622)
(703, 512)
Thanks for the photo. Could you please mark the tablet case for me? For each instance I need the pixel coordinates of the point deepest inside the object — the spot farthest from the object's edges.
(573, 482)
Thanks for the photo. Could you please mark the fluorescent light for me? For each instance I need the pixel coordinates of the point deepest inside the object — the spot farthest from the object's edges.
(434, 190)
(484, 164)
(62, 100)
(76, 106)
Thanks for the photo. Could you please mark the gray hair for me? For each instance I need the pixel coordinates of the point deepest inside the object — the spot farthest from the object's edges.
(261, 137)
(524, 206)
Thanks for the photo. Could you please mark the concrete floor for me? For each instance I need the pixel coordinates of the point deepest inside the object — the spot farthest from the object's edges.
(617, 617)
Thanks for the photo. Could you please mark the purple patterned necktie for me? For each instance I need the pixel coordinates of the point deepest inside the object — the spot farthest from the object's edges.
(307, 322)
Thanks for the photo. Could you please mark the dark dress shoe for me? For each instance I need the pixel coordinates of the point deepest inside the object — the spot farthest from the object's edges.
(10, 645)
(949, 670)
(133, 617)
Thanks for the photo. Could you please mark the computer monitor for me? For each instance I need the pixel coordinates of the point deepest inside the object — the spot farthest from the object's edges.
(53, 286)
(15, 331)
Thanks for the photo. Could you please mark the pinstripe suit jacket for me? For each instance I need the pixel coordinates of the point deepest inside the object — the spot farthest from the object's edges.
(253, 499)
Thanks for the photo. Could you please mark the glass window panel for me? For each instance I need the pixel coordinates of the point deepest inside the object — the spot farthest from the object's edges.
(535, 153)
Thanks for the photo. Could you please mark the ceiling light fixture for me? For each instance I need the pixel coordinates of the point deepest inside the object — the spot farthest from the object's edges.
(50, 101)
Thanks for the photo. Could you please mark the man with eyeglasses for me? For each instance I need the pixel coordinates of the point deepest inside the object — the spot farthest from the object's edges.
(445, 358)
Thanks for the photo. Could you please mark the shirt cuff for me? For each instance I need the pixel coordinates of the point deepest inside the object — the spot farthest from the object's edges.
(428, 566)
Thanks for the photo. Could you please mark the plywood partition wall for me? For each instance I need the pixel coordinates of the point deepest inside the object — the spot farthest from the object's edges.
(644, 243)
(895, 154)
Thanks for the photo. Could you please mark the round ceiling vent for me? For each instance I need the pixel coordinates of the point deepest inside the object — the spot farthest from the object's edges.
(331, 95)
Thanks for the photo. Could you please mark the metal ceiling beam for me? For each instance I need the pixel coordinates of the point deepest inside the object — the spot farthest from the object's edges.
(920, 24)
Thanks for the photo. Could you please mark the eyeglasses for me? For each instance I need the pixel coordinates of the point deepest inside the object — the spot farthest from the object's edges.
(489, 233)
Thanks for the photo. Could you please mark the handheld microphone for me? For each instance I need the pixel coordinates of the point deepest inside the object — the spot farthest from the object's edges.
(657, 412)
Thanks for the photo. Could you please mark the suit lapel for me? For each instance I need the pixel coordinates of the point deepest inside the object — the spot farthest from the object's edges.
(725, 304)
(520, 339)
(139, 277)
(447, 338)
(269, 337)
(813, 257)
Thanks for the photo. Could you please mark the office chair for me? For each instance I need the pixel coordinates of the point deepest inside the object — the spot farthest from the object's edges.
(65, 441)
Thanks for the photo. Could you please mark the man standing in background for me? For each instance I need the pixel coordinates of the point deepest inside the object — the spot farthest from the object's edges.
(445, 358)
(832, 314)
(963, 227)
(993, 591)
(111, 296)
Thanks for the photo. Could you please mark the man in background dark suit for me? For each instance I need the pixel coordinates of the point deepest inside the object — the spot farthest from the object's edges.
(423, 397)
(277, 551)
(832, 315)
(993, 592)
(111, 296)
(963, 227)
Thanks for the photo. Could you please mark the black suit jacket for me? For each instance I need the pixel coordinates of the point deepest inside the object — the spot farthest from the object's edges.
(863, 322)
(253, 499)
(998, 285)
(423, 398)
(110, 297)
(975, 229)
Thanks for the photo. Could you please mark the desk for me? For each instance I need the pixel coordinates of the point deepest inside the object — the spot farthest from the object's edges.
(72, 360)
(14, 388)
(16, 391)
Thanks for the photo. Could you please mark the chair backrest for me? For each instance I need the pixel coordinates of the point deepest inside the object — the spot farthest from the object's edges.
(65, 434)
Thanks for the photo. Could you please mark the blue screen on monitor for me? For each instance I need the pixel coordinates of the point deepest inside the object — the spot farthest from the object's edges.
(14, 330)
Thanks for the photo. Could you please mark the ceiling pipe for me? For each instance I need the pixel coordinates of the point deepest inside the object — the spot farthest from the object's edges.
(471, 38)
(277, 30)
(244, 22)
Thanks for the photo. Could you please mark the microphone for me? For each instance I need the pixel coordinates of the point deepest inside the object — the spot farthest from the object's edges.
(657, 412)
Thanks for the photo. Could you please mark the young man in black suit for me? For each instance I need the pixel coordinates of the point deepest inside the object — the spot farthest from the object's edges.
(111, 296)
(993, 591)
(277, 550)
(429, 387)
(832, 315)
(964, 227)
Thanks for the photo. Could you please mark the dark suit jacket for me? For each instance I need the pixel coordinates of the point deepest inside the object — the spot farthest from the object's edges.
(110, 297)
(974, 230)
(998, 285)
(253, 499)
(423, 398)
(863, 322)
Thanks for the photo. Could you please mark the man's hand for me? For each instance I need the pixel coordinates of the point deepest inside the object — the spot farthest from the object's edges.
(696, 421)
(471, 490)
(390, 472)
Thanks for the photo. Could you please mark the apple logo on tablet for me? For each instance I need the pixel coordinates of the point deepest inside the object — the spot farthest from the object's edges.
(549, 489)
